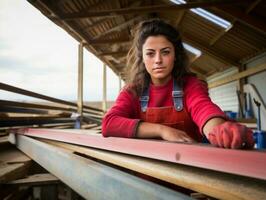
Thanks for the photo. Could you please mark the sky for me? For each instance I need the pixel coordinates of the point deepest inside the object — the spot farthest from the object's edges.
(37, 55)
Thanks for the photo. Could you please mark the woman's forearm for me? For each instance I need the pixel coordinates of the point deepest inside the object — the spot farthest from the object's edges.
(153, 130)
(149, 130)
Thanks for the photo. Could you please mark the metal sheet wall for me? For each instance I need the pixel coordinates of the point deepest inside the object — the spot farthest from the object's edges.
(258, 79)
(224, 96)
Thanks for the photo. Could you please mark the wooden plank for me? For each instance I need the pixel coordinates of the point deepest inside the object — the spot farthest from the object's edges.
(17, 194)
(237, 76)
(17, 90)
(89, 126)
(36, 179)
(34, 105)
(47, 107)
(3, 140)
(13, 164)
(215, 184)
(31, 121)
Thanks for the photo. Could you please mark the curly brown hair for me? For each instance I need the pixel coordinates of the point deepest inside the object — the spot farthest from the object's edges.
(138, 78)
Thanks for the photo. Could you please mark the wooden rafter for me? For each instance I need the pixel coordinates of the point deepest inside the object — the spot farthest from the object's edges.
(199, 75)
(248, 72)
(249, 20)
(180, 18)
(223, 32)
(96, 23)
(210, 51)
(252, 6)
(121, 19)
(254, 55)
(195, 69)
(110, 41)
(120, 27)
(112, 53)
(147, 9)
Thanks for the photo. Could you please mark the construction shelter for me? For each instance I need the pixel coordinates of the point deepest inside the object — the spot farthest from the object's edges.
(46, 153)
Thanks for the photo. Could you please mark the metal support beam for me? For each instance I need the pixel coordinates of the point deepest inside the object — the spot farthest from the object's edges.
(91, 179)
(226, 160)
(104, 106)
(215, 184)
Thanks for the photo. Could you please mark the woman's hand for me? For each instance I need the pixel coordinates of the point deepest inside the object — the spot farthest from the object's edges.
(231, 135)
(152, 130)
(174, 135)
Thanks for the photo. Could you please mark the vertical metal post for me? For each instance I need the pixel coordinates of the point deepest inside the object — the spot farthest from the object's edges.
(80, 86)
(104, 103)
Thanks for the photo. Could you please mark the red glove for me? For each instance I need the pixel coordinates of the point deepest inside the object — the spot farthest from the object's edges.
(231, 135)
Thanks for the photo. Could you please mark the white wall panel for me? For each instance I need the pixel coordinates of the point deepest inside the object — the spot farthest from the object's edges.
(224, 96)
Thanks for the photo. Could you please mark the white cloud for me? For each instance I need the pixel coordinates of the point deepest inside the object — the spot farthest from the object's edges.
(37, 55)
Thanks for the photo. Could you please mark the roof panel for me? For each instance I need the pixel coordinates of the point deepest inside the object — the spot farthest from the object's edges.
(221, 49)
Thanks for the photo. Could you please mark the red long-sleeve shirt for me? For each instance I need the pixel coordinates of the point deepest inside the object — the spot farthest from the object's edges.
(123, 118)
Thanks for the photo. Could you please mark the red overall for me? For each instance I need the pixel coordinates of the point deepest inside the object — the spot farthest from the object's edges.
(170, 116)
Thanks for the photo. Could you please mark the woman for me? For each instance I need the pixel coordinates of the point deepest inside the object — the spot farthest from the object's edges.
(164, 100)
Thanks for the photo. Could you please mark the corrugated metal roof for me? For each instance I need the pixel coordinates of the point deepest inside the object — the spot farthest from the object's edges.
(105, 28)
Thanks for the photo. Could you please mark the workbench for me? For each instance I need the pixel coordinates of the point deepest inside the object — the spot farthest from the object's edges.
(100, 174)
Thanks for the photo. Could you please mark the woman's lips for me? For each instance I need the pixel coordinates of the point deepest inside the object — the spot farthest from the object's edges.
(158, 69)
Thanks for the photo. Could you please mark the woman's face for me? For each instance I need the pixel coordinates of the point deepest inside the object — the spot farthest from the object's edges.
(158, 56)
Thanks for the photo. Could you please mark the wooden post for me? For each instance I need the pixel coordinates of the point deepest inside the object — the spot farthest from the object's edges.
(80, 85)
(104, 105)
(241, 83)
(120, 82)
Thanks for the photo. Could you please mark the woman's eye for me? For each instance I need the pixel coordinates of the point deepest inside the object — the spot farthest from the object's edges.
(150, 54)
(165, 52)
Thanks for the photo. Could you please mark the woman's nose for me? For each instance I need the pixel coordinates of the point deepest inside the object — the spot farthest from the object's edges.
(158, 58)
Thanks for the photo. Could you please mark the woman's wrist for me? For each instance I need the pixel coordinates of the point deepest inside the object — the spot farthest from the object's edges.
(211, 124)
(149, 130)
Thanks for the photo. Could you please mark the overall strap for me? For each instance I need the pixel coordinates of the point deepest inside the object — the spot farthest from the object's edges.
(177, 95)
(144, 99)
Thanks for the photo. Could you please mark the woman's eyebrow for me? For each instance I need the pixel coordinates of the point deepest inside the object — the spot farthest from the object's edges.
(160, 49)
(149, 49)
(165, 48)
